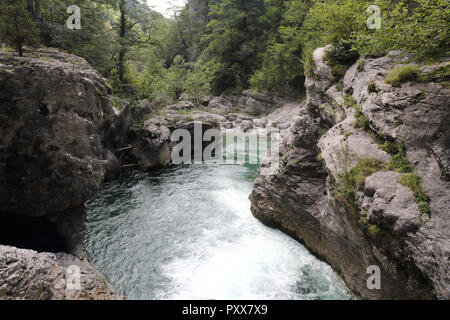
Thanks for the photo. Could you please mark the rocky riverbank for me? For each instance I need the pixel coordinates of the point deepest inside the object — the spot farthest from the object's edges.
(62, 135)
(57, 120)
(364, 178)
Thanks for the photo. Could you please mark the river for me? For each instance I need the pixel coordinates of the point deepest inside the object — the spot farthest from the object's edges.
(187, 232)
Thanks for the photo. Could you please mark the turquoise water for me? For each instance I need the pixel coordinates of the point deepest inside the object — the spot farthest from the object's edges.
(187, 233)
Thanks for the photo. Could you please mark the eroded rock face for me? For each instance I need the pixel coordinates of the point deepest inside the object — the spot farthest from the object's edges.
(254, 103)
(28, 275)
(53, 115)
(59, 129)
(386, 229)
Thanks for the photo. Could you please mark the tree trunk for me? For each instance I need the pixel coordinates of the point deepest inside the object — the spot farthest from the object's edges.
(37, 8)
(30, 7)
(20, 49)
(123, 33)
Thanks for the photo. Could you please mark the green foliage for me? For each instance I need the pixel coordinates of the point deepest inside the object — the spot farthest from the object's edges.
(96, 41)
(352, 179)
(372, 87)
(350, 101)
(413, 181)
(361, 121)
(17, 28)
(419, 26)
(233, 38)
(198, 84)
(361, 65)
(281, 67)
(439, 75)
(339, 59)
(399, 159)
(402, 74)
(373, 229)
(230, 45)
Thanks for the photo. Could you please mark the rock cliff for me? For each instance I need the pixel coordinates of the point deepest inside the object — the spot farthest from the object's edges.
(364, 178)
(57, 124)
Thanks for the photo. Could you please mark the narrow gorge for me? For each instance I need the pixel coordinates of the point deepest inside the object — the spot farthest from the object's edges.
(87, 180)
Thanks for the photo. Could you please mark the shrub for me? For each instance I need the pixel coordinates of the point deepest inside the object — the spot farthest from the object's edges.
(439, 75)
(354, 178)
(412, 26)
(413, 181)
(372, 87)
(339, 59)
(399, 159)
(373, 229)
(350, 101)
(361, 121)
(402, 74)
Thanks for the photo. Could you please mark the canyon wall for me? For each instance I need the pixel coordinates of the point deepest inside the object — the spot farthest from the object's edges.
(58, 131)
(355, 121)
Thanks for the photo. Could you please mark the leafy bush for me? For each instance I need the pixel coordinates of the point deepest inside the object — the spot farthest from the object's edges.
(439, 75)
(339, 59)
(372, 87)
(399, 159)
(361, 121)
(412, 26)
(413, 181)
(198, 84)
(356, 177)
(402, 74)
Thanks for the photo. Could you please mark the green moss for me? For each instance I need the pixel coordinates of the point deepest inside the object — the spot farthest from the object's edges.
(361, 121)
(356, 177)
(349, 101)
(440, 75)
(372, 87)
(373, 229)
(183, 112)
(347, 135)
(361, 65)
(414, 182)
(403, 74)
(399, 160)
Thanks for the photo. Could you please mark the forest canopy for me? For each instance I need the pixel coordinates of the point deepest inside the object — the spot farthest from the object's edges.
(212, 46)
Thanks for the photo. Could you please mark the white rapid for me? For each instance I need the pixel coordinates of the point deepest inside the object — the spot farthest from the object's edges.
(187, 233)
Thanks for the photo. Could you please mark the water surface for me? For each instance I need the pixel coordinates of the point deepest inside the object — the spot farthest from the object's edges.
(187, 233)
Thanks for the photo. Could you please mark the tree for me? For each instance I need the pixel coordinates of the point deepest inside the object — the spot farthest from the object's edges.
(282, 67)
(234, 38)
(135, 24)
(17, 27)
(198, 85)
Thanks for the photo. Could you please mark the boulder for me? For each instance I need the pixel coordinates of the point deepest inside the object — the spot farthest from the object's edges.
(28, 275)
(247, 125)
